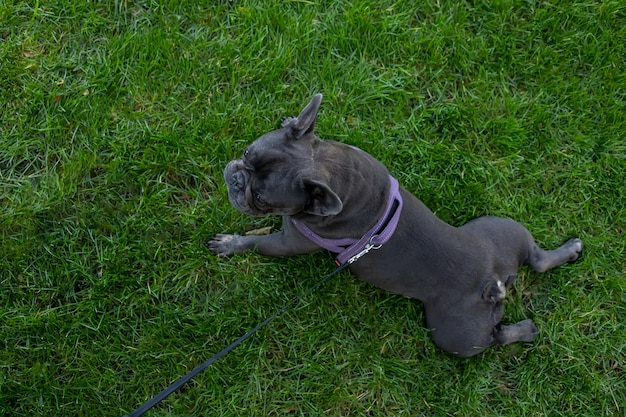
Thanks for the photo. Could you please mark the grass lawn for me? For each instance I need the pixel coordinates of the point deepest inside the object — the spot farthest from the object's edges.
(117, 119)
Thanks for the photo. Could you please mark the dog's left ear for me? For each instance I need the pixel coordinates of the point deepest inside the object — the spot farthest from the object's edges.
(305, 122)
(322, 200)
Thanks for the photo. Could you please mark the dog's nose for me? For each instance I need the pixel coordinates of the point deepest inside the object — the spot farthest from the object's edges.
(237, 180)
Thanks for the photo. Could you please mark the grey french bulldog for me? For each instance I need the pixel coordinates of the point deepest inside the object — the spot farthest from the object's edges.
(337, 197)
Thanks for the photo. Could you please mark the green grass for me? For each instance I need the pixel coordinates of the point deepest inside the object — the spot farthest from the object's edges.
(117, 119)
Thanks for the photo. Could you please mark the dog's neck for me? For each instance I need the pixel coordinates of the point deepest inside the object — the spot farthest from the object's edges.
(349, 249)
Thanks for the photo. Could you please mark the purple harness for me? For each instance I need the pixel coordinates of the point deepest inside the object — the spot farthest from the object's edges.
(348, 249)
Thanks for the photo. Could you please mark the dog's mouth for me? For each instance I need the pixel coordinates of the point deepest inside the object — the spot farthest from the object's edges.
(237, 178)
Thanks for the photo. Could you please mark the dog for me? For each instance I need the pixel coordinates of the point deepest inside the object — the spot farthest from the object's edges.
(338, 197)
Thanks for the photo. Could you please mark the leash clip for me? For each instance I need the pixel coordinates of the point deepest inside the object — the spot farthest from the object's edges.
(370, 246)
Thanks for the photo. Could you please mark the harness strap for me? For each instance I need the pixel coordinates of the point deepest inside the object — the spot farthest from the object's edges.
(378, 235)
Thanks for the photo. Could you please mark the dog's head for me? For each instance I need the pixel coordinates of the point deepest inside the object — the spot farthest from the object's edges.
(280, 174)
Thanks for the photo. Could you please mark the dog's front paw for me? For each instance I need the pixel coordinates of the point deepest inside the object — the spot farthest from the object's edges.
(224, 245)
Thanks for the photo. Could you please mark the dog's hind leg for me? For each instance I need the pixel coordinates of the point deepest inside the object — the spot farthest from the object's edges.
(542, 260)
(524, 331)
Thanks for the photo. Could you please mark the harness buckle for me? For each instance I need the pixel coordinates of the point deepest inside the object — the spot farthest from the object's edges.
(368, 247)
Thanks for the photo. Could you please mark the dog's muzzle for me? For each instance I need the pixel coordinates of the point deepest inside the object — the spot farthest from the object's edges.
(237, 178)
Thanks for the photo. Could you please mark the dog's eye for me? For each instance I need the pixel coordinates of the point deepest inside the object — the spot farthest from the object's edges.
(259, 199)
(246, 153)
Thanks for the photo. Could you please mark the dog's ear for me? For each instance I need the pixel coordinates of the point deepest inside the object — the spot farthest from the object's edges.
(305, 122)
(322, 200)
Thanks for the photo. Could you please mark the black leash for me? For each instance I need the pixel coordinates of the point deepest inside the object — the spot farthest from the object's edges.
(182, 381)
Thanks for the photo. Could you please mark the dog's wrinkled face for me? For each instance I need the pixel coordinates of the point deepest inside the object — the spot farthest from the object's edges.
(275, 174)
(263, 181)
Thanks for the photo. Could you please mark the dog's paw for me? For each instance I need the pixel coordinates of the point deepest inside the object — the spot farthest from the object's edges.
(575, 246)
(494, 292)
(527, 330)
(524, 331)
(224, 245)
